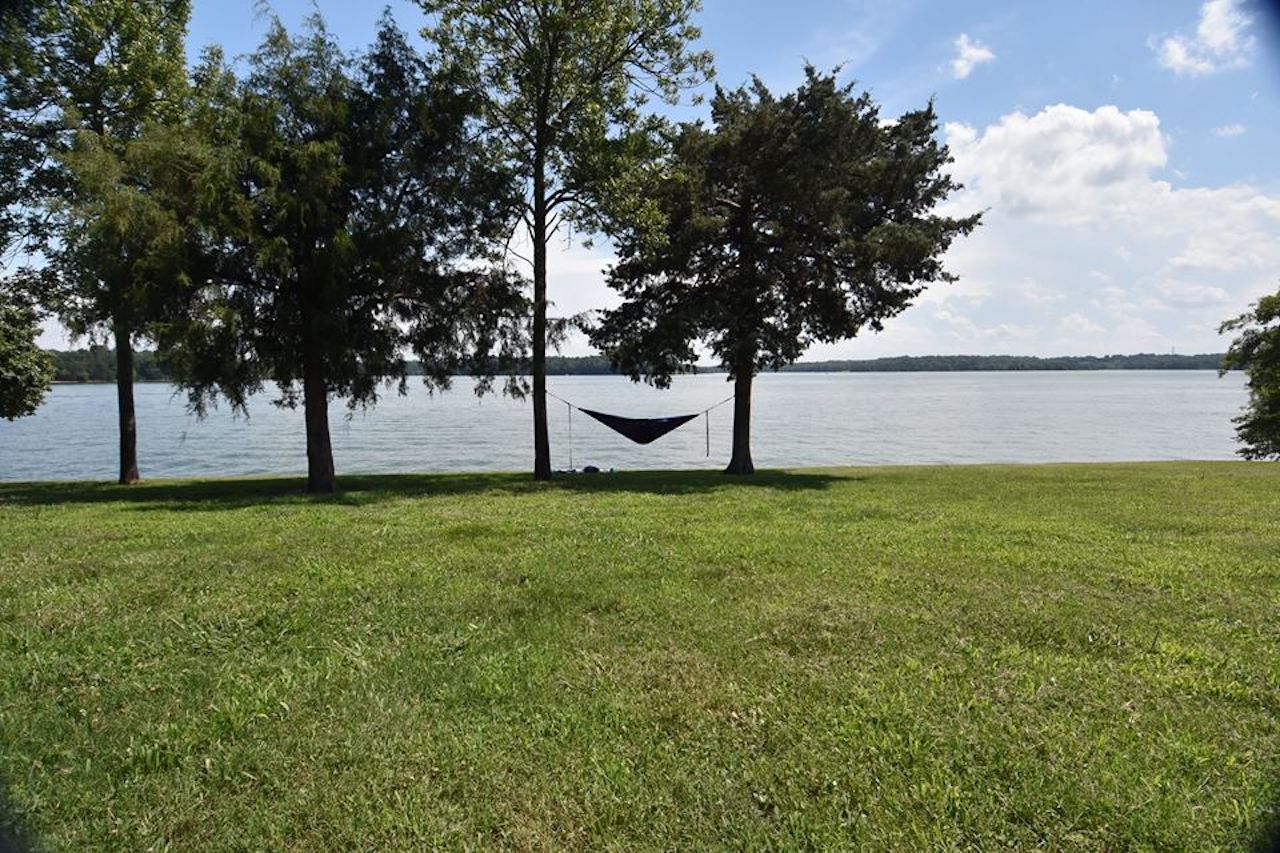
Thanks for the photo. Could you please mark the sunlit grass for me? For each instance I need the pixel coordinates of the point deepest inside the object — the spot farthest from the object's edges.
(1077, 657)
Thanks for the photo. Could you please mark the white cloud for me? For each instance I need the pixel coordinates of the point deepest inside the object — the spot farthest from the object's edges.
(1063, 162)
(1226, 130)
(1221, 41)
(1190, 293)
(1078, 209)
(974, 291)
(969, 55)
(960, 333)
(1079, 325)
(1036, 293)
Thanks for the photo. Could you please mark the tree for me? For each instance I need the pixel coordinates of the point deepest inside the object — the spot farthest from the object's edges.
(564, 82)
(792, 221)
(26, 371)
(20, 136)
(358, 208)
(130, 243)
(1257, 352)
(89, 74)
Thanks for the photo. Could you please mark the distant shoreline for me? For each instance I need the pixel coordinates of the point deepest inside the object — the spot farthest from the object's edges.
(1006, 363)
(86, 367)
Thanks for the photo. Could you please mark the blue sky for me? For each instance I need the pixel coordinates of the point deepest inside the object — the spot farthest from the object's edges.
(1125, 153)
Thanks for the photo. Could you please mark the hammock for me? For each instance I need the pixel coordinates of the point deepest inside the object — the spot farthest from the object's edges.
(639, 430)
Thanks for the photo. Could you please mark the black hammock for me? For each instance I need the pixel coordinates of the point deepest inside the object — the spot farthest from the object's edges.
(639, 430)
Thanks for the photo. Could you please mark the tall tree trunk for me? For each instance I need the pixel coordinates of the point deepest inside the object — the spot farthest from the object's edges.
(541, 438)
(124, 406)
(315, 403)
(740, 461)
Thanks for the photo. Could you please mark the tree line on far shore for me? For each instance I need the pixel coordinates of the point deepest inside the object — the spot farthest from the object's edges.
(98, 364)
(997, 363)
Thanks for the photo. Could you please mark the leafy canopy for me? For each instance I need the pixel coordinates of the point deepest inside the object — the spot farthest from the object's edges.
(132, 234)
(790, 221)
(69, 66)
(565, 83)
(26, 371)
(355, 208)
(1256, 351)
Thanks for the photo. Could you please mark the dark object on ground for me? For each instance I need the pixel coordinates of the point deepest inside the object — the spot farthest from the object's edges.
(590, 469)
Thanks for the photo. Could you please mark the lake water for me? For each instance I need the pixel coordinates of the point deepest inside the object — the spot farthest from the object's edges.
(799, 420)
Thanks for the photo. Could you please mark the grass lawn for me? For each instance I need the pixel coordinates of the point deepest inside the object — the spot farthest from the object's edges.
(1074, 657)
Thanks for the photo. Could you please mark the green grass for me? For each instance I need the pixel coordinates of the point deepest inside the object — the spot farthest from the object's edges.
(1069, 657)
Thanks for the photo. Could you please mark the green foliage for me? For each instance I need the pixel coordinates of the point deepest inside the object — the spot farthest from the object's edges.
(83, 83)
(26, 371)
(1256, 351)
(353, 213)
(1074, 657)
(72, 69)
(98, 364)
(793, 221)
(20, 136)
(133, 237)
(350, 196)
(564, 83)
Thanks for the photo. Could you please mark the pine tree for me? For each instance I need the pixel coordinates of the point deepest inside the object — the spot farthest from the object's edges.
(790, 221)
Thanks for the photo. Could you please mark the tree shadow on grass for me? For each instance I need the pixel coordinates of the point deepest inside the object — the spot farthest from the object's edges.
(13, 836)
(359, 490)
(1268, 837)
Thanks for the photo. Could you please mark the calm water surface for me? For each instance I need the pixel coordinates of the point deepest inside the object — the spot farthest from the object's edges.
(799, 420)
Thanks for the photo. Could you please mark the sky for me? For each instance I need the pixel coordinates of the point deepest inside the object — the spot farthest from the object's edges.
(1124, 153)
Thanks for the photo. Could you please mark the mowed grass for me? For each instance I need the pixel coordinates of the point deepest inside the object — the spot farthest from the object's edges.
(1068, 657)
